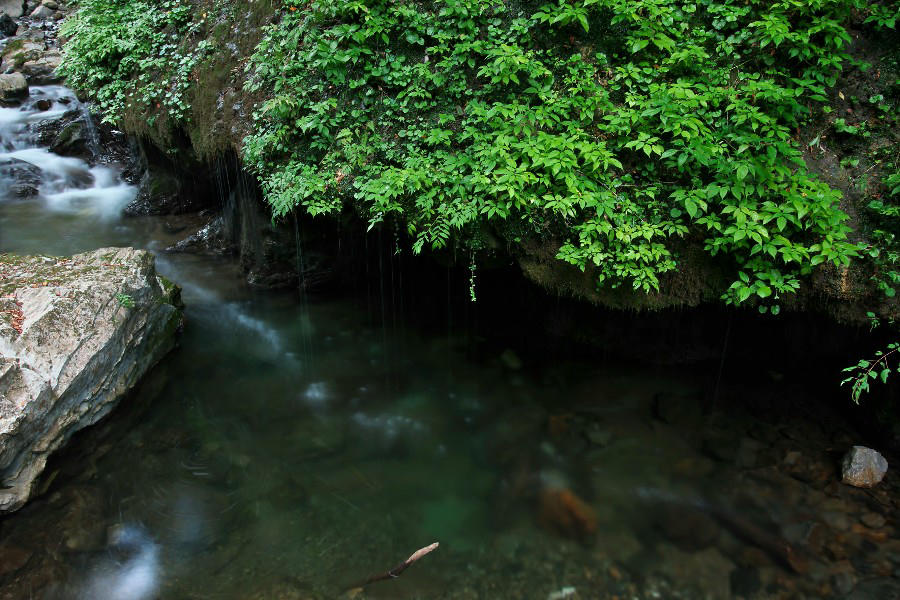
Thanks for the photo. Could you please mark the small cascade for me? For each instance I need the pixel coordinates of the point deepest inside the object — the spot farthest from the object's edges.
(90, 128)
(66, 184)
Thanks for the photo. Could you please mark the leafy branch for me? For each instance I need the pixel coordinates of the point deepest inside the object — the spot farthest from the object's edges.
(866, 370)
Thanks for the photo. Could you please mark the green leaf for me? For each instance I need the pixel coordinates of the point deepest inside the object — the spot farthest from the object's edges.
(691, 207)
(582, 18)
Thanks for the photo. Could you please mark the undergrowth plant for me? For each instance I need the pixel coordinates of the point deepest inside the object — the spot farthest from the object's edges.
(135, 53)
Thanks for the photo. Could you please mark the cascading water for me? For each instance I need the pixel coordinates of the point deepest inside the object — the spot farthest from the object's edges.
(66, 184)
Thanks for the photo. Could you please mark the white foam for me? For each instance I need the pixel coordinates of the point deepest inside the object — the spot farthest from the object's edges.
(52, 164)
(106, 202)
(136, 578)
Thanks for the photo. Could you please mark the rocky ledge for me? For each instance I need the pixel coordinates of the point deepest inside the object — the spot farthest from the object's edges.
(76, 334)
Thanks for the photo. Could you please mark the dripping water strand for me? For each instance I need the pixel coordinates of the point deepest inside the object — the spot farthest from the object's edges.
(384, 344)
(91, 129)
(722, 359)
(305, 333)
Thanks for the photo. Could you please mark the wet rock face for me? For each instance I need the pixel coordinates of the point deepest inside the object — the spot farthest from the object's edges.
(863, 467)
(8, 26)
(21, 179)
(75, 335)
(160, 193)
(209, 239)
(167, 191)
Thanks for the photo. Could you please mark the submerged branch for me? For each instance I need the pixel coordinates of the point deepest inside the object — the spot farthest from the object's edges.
(398, 570)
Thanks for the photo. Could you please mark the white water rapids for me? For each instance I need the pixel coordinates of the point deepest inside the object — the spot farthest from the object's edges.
(67, 184)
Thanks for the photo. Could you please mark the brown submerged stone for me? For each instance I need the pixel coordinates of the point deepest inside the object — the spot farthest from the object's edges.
(563, 511)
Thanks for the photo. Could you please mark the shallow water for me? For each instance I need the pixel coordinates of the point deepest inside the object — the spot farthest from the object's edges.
(291, 449)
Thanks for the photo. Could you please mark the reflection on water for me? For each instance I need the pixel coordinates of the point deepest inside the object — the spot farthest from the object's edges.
(280, 453)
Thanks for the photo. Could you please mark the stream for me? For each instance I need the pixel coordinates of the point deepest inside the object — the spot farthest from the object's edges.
(290, 448)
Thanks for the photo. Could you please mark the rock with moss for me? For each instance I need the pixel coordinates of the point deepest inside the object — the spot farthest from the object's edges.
(76, 334)
(21, 50)
(74, 139)
(42, 70)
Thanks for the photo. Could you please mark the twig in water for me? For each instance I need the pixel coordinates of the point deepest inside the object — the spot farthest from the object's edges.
(396, 571)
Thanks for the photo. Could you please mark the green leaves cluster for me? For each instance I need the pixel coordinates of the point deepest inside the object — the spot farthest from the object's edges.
(618, 126)
(135, 54)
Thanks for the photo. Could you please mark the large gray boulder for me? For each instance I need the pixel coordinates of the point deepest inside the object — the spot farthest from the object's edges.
(14, 8)
(75, 335)
(863, 467)
(42, 12)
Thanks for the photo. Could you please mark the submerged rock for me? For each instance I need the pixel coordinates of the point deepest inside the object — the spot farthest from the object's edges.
(75, 335)
(561, 510)
(12, 558)
(863, 467)
(680, 410)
